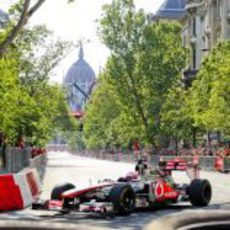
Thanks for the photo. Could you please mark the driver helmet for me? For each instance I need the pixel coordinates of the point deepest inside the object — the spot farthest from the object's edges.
(131, 176)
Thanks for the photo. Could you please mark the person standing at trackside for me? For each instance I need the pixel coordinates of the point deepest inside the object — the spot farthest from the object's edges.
(3, 149)
(136, 148)
(21, 143)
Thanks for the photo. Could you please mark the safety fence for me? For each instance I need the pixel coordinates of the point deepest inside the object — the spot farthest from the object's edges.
(39, 162)
(17, 159)
(209, 163)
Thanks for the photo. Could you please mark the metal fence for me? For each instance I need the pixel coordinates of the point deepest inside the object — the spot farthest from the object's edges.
(205, 162)
(17, 159)
(39, 162)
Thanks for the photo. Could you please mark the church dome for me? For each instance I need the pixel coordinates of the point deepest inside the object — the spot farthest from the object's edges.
(79, 82)
(80, 71)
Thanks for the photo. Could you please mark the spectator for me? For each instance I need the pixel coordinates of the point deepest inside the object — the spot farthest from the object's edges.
(21, 143)
(136, 148)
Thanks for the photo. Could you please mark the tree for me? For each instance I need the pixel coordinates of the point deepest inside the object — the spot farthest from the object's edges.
(101, 110)
(9, 92)
(24, 10)
(176, 119)
(31, 105)
(210, 92)
(145, 61)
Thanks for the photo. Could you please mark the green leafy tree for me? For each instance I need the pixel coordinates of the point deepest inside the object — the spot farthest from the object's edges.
(210, 92)
(101, 110)
(32, 106)
(9, 92)
(176, 118)
(145, 61)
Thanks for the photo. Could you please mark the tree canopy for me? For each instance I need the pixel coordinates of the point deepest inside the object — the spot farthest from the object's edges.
(146, 59)
(210, 92)
(32, 106)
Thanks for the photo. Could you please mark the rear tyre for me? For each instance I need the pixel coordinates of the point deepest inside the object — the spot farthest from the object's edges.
(59, 189)
(123, 198)
(200, 192)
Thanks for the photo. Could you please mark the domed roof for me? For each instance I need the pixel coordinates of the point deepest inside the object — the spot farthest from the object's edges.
(172, 9)
(79, 82)
(80, 71)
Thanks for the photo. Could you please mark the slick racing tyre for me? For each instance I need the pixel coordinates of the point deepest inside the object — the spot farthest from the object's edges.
(200, 192)
(123, 198)
(59, 189)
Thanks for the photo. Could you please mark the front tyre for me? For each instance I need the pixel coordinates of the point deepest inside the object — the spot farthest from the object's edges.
(59, 189)
(123, 198)
(200, 192)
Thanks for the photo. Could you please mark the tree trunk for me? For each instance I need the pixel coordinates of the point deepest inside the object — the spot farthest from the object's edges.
(194, 136)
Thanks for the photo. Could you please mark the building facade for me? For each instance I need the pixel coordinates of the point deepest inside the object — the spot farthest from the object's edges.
(206, 23)
(78, 84)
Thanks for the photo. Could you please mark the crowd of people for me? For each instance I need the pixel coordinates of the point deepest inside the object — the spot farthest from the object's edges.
(208, 149)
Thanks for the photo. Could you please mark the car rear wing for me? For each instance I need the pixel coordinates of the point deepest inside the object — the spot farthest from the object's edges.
(179, 164)
(174, 164)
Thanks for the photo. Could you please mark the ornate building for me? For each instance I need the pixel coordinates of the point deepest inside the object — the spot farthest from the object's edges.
(3, 18)
(78, 83)
(207, 22)
(204, 23)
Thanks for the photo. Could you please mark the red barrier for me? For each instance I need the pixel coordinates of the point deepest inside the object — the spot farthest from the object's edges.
(10, 194)
(18, 191)
(33, 185)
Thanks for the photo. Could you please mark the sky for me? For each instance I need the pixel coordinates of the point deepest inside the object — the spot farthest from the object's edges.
(77, 21)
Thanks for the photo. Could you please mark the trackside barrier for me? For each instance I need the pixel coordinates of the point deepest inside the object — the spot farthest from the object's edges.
(10, 195)
(18, 191)
(17, 159)
(25, 191)
(39, 162)
(209, 163)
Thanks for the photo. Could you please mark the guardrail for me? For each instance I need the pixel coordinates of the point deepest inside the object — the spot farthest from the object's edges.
(39, 162)
(209, 163)
(17, 159)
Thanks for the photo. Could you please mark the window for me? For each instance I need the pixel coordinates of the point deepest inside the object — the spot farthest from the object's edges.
(194, 26)
(193, 57)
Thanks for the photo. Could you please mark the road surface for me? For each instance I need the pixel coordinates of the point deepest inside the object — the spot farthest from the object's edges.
(64, 167)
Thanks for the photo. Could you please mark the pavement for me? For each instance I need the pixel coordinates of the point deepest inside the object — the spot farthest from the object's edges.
(65, 167)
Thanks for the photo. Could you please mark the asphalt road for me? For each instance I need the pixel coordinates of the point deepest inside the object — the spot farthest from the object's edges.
(64, 167)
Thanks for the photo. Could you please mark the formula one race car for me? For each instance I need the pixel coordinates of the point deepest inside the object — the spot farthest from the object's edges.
(145, 187)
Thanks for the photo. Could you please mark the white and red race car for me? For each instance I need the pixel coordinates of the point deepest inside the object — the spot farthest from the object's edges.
(143, 188)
